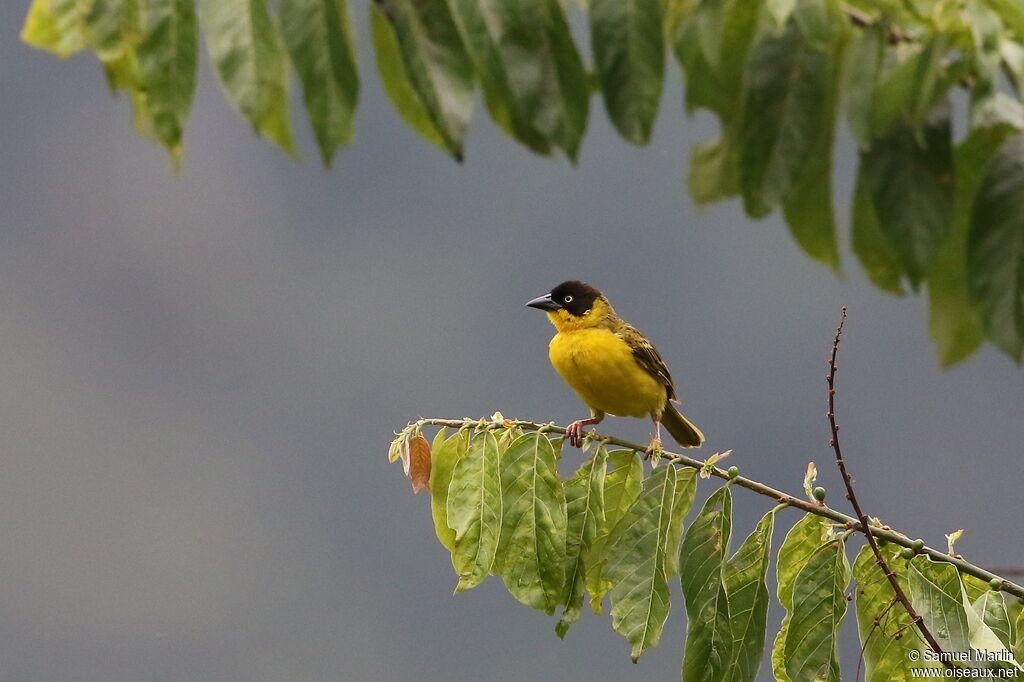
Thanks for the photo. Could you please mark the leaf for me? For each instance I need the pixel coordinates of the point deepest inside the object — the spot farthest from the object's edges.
(786, 115)
(809, 478)
(636, 563)
(56, 27)
(935, 593)
(1016, 612)
(629, 56)
(808, 207)
(953, 321)
(869, 244)
(532, 76)
(418, 470)
(995, 248)
(708, 653)
(112, 27)
(885, 656)
(318, 36)
(801, 541)
(531, 552)
(686, 491)
(912, 188)
(819, 605)
(714, 174)
(475, 510)
(584, 500)
(907, 94)
(436, 65)
(621, 488)
(250, 63)
(863, 65)
(748, 600)
(395, 80)
(446, 454)
(991, 609)
(167, 67)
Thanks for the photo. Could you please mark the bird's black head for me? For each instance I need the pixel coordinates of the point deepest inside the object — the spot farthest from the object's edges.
(574, 297)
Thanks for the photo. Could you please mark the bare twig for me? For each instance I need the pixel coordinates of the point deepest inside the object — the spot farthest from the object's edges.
(866, 528)
(774, 494)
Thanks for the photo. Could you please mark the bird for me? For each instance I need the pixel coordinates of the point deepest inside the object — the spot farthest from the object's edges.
(610, 365)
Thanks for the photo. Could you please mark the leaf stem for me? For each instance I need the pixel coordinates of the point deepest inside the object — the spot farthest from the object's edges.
(755, 486)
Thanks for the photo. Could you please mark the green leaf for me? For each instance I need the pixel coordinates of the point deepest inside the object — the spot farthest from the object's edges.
(863, 61)
(786, 115)
(1012, 14)
(167, 67)
(935, 592)
(318, 36)
(57, 27)
(531, 552)
(1016, 613)
(250, 63)
(869, 244)
(907, 94)
(748, 600)
(475, 510)
(435, 64)
(885, 656)
(808, 207)
(995, 248)
(112, 27)
(621, 488)
(912, 189)
(819, 605)
(629, 55)
(714, 173)
(395, 80)
(801, 541)
(532, 76)
(686, 491)
(636, 563)
(708, 653)
(991, 608)
(953, 321)
(584, 499)
(443, 458)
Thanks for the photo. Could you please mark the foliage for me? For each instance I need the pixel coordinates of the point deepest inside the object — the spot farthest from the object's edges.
(502, 508)
(933, 205)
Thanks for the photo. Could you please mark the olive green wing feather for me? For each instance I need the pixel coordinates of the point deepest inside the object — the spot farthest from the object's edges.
(648, 357)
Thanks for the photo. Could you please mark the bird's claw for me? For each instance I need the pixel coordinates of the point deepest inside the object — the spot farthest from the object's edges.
(574, 433)
(653, 449)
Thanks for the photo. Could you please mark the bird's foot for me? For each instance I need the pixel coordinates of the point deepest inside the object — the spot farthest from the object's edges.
(574, 433)
(653, 450)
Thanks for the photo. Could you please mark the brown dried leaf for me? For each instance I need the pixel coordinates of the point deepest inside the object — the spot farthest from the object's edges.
(418, 469)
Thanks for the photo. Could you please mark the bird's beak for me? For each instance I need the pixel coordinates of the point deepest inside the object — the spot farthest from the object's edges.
(543, 303)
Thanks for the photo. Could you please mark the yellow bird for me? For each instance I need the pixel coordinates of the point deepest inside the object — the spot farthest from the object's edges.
(612, 367)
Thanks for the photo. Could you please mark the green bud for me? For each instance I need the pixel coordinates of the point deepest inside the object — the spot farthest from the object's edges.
(918, 545)
(733, 472)
(996, 584)
(907, 553)
(819, 494)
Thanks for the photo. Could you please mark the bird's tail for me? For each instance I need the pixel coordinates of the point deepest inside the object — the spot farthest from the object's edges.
(682, 430)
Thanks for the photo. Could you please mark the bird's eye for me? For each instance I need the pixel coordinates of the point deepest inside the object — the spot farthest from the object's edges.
(568, 299)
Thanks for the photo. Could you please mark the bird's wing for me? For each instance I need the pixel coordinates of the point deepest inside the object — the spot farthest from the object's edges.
(648, 357)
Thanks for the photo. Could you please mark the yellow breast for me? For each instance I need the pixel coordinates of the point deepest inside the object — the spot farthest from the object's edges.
(600, 367)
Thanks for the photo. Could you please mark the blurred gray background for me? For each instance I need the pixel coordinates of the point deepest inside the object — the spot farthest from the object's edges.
(200, 375)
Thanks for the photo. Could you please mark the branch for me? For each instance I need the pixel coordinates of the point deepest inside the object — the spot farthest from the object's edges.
(897, 589)
(748, 483)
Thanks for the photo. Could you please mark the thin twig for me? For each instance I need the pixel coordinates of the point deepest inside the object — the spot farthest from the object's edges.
(750, 484)
(868, 531)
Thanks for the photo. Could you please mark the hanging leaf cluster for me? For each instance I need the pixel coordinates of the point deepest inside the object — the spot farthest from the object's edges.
(932, 206)
(614, 535)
